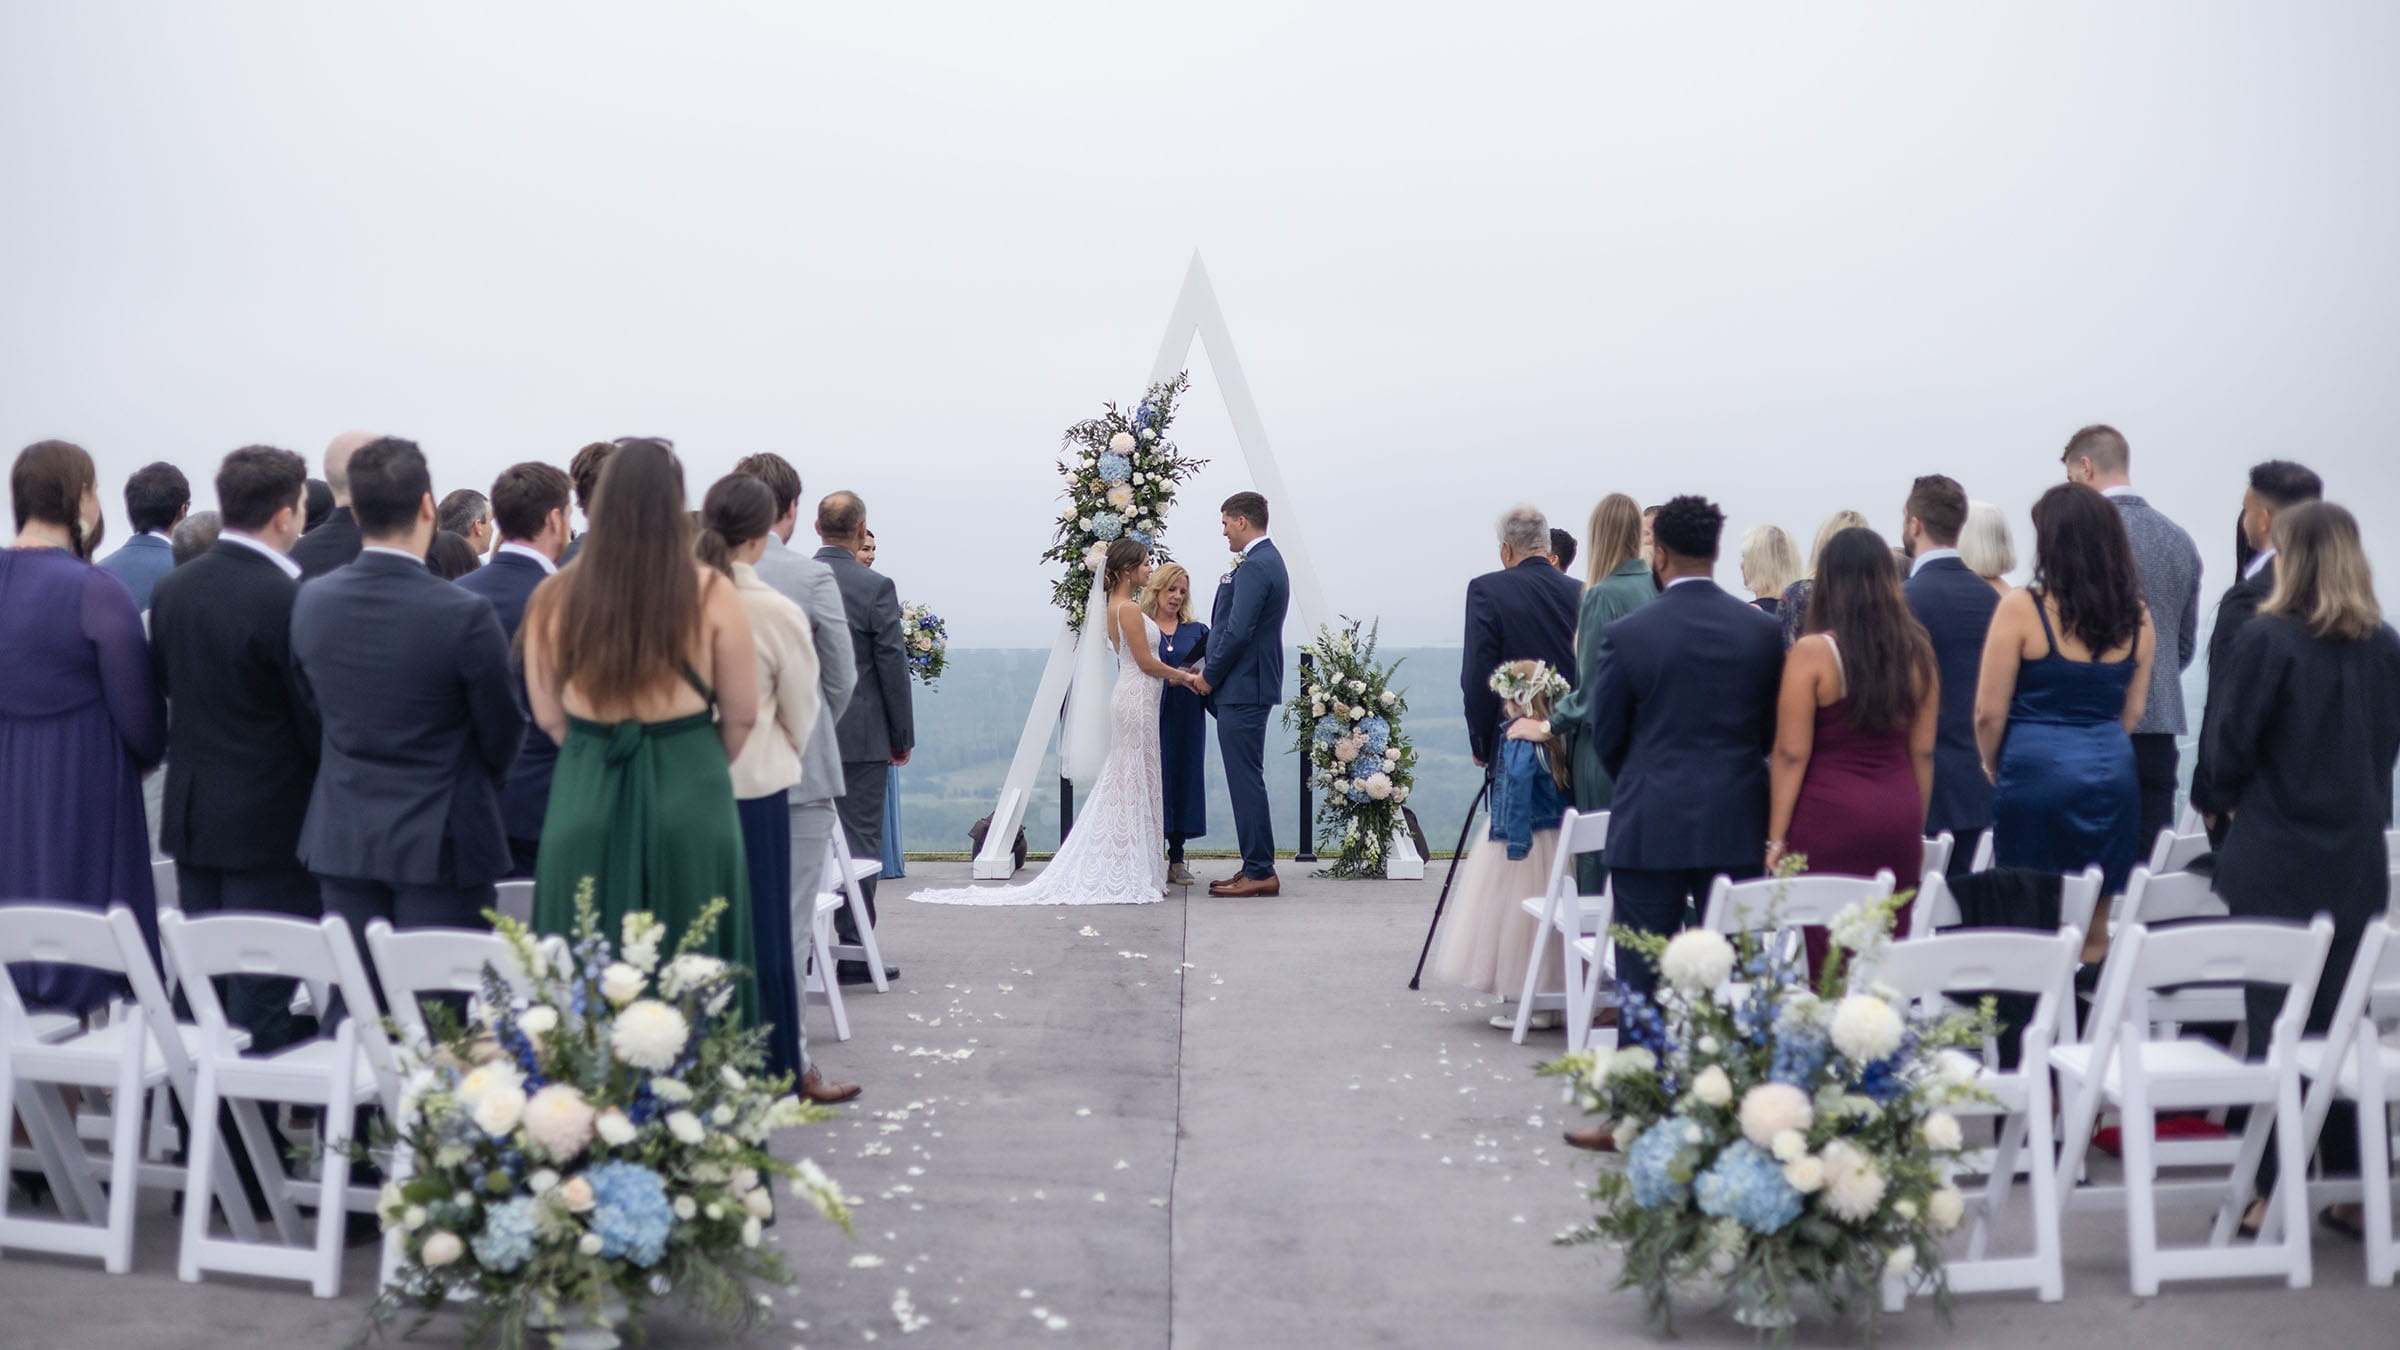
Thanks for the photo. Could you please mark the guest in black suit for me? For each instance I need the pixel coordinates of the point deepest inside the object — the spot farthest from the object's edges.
(529, 508)
(879, 729)
(2301, 749)
(1526, 611)
(585, 470)
(1683, 720)
(1955, 605)
(241, 738)
(334, 542)
(2274, 486)
(410, 676)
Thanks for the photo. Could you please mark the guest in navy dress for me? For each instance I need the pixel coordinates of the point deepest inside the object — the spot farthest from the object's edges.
(80, 718)
(1182, 718)
(2066, 671)
(1854, 730)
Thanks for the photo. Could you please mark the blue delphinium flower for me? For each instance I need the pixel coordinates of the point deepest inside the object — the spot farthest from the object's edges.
(1115, 468)
(506, 1241)
(1107, 525)
(1639, 1023)
(630, 1212)
(1745, 1184)
(1647, 1161)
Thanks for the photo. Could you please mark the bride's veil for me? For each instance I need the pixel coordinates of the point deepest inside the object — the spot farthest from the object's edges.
(1084, 734)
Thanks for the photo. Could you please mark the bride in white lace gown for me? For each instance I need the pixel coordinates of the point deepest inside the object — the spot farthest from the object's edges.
(1116, 854)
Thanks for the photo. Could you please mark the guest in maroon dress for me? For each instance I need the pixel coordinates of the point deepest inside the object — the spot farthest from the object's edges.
(80, 718)
(1854, 727)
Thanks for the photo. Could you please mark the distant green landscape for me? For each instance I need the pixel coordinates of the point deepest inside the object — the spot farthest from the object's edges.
(967, 730)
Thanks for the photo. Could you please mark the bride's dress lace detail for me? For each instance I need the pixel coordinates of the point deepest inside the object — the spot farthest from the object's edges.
(1116, 854)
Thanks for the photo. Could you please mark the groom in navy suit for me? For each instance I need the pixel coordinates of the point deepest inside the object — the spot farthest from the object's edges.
(1243, 681)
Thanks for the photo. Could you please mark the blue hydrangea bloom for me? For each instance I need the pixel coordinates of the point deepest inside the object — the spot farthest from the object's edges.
(1115, 468)
(1745, 1184)
(1378, 733)
(631, 1213)
(1107, 525)
(1328, 730)
(1141, 537)
(1646, 1165)
(506, 1241)
(1800, 1054)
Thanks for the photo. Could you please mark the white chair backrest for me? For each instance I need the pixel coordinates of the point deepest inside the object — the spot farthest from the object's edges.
(516, 900)
(1745, 906)
(1985, 851)
(2152, 897)
(321, 954)
(2374, 977)
(1937, 852)
(2001, 960)
(2235, 951)
(150, 995)
(2175, 849)
(67, 935)
(164, 885)
(1582, 831)
(2079, 897)
(1935, 906)
(444, 961)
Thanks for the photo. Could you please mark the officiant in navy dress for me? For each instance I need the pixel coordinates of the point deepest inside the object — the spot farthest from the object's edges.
(1182, 716)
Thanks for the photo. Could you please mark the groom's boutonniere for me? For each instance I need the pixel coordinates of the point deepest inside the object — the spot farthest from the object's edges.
(1238, 560)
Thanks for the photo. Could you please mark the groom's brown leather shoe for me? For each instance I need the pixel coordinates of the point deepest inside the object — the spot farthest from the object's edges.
(1597, 1138)
(1243, 887)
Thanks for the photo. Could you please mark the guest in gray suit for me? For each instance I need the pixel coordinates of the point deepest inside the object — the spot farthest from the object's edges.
(878, 730)
(155, 499)
(2098, 457)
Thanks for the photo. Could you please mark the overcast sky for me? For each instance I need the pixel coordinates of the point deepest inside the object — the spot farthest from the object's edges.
(1786, 255)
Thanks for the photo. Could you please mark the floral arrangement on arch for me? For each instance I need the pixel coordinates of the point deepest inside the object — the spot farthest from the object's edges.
(1121, 473)
(1777, 1137)
(564, 1158)
(927, 639)
(1348, 714)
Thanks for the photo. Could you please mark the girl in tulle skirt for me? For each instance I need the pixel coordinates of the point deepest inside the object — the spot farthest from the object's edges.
(1486, 933)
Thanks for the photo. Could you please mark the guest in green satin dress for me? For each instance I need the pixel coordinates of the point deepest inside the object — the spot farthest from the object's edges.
(638, 661)
(1620, 583)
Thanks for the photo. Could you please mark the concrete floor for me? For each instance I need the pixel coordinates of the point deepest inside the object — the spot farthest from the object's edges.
(1204, 1124)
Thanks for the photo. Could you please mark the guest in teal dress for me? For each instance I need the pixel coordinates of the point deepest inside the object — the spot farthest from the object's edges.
(1619, 584)
(2066, 671)
(1182, 719)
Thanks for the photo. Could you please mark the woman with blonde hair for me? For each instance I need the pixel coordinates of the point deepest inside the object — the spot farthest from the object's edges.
(1770, 562)
(1619, 578)
(1182, 717)
(1985, 547)
(1794, 609)
(2301, 748)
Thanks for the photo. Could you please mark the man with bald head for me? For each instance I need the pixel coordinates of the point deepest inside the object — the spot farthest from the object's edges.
(878, 729)
(335, 542)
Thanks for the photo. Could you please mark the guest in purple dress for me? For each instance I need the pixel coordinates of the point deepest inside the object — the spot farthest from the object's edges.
(80, 719)
(1855, 727)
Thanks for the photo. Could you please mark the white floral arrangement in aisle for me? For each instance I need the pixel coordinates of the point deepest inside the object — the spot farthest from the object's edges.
(1776, 1137)
(927, 639)
(1121, 473)
(1348, 714)
(567, 1157)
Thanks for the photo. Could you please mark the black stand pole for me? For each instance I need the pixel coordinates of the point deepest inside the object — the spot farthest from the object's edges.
(1066, 789)
(1308, 803)
(1456, 851)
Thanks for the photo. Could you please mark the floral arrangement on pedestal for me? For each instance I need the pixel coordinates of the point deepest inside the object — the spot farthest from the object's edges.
(1348, 714)
(1776, 1137)
(566, 1157)
(927, 639)
(1121, 473)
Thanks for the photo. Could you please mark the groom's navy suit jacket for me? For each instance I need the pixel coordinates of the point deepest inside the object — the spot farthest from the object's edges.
(1245, 631)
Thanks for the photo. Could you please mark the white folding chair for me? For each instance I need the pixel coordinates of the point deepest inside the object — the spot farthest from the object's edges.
(425, 961)
(1562, 915)
(822, 980)
(1985, 852)
(1936, 906)
(335, 1074)
(840, 878)
(2125, 1065)
(1788, 903)
(2350, 1062)
(1938, 848)
(1995, 960)
(2174, 850)
(516, 901)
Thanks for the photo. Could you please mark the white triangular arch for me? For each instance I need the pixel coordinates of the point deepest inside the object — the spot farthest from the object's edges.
(1196, 316)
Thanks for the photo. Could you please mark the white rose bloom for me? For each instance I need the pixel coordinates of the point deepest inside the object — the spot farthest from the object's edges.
(1122, 442)
(752, 1231)
(1942, 1133)
(686, 1127)
(649, 1034)
(1692, 1134)
(759, 1202)
(1696, 960)
(1712, 1086)
(1148, 434)
(1945, 1209)
(1357, 713)
(1388, 698)
(723, 1115)
(589, 1244)
(1789, 1146)
(616, 1129)
(1806, 1174)
(1707, 1045)
(500, 1110)
(542, 1182)
(1358, 686)
(686, 1208)
(714, 1211)
(538, 1021)
(1902, 1260)
(1772, 1110)
(413, 1218)
(485, 1079)
(1866, 1029)
(441, 1248)
(621, 984)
